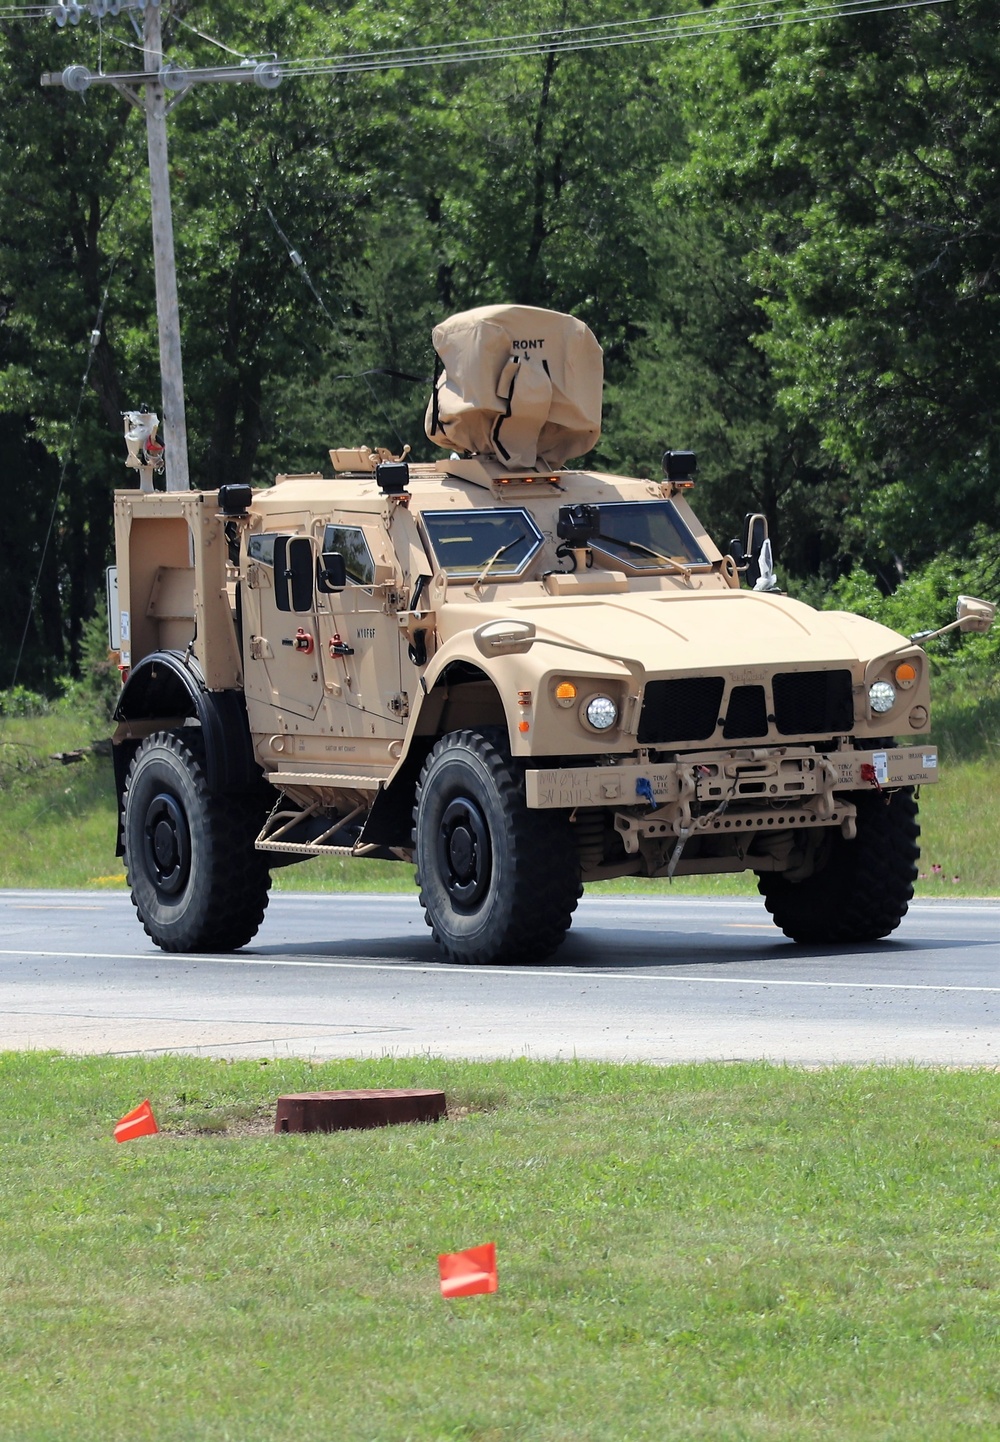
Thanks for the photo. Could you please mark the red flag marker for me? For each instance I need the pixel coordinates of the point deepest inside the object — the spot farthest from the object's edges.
(463, 1274)
(137, 1123)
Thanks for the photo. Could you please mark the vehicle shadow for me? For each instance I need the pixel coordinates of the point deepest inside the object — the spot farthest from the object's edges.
(594, 948)
(693, 949)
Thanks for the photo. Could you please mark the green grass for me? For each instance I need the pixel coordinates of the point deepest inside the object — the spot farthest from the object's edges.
(726, 1253)
(57, 825)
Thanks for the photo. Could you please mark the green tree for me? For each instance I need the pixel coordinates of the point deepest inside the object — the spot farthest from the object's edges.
(859, 157)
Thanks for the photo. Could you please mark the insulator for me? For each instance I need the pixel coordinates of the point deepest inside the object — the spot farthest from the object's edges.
(267, 75)
(76, 77)
(173, 77)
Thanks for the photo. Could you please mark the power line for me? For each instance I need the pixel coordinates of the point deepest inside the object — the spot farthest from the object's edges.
(748, 15)
(296, 258)
(682, 23)
(210, 38)
(662, 29)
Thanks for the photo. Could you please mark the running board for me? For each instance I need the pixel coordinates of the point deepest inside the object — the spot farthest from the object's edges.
(283, 823)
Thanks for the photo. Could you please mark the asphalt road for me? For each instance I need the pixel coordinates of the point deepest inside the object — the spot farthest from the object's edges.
(639, 979)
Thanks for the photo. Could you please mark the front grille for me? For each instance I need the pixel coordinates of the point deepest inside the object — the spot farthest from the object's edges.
(806, 703)
(747, 713)
(813, 702)
(683, 710)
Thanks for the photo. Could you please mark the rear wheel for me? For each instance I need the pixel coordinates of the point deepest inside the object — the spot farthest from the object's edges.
(861, 888)
(497, 882)
(197, 882)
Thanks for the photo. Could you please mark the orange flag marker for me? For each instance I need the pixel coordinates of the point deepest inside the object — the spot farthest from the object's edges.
(137, 1123)
(463, 1274)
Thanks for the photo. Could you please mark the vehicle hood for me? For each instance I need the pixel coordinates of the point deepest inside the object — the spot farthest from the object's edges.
(700, 631)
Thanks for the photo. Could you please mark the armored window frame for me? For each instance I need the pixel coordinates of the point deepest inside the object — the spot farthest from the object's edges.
(357, 555)
(504, 568)
(635, 561)
(260, 547)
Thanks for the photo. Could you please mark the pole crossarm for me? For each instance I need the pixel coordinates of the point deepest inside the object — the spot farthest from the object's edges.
(78, 78)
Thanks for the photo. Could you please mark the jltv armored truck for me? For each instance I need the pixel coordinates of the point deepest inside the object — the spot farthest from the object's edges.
(519, 674)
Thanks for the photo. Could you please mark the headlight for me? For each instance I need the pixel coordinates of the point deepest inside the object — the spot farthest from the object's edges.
(882, 696)
(601, 712)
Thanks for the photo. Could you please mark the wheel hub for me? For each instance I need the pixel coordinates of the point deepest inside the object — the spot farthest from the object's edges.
(465, 857)
(167, 844)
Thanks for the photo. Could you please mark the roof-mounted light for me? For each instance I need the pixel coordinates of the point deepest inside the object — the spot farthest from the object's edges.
(679, 467)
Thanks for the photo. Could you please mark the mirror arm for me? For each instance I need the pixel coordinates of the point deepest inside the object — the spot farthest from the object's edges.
(930, 635)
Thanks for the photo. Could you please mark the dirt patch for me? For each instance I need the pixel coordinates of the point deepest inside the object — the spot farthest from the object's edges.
(222, 1122)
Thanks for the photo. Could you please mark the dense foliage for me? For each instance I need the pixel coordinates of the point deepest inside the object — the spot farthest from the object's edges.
(788, 242)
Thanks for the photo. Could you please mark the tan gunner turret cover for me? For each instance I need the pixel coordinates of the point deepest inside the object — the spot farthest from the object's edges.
(519, 382)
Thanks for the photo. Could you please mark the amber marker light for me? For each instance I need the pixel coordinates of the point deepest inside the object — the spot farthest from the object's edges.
(905, 674)
(565, 693)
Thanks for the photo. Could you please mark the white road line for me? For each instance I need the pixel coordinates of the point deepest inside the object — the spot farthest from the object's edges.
(982, 904)
(471, 972)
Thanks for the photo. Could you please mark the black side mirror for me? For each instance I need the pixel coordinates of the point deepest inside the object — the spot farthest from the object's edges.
(754, 536)
(293, 573)
(331, 573)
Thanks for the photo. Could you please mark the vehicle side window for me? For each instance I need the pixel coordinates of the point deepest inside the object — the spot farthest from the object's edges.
(261, 548)
(351, 544)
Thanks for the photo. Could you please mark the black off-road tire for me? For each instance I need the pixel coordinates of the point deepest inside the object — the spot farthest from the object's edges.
(861, 889)
(498, 883)
(197, 882)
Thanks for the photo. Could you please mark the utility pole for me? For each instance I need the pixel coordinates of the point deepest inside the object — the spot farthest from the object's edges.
(147, 91)
(168, 313)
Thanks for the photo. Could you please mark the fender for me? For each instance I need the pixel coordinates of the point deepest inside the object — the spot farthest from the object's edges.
(170, 684)
(454, 654)
(390, 821)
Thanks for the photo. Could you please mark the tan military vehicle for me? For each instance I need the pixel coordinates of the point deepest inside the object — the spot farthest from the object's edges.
(521, 676)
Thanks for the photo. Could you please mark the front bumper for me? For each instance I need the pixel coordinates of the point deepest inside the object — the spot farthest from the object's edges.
(755, 789)
(760, 774)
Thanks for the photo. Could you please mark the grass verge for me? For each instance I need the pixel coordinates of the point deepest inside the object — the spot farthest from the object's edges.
(57, 828)
(702, 1252)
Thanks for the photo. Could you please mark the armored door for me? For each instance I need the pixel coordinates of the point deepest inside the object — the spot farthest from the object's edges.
(282, 664)
(359, 636)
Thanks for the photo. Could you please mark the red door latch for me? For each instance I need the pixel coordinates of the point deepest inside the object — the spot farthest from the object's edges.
(339, 647)
(303, 642)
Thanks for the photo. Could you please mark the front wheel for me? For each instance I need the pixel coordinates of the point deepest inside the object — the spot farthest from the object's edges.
(197, 882)
(498, 883)
(861, 888)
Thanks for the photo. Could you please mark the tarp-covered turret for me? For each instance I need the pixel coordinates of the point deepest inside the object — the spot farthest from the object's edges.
(520, 383)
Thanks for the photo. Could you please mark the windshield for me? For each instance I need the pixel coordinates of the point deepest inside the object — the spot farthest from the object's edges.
(645, 534)
(466, 542)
